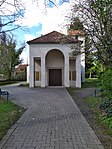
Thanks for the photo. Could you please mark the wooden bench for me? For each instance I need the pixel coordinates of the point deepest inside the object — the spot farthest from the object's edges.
(4, 93)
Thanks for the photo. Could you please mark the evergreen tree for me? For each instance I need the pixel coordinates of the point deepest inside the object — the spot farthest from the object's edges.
(9, 56)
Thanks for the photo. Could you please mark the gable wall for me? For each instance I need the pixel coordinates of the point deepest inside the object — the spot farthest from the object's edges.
(38, 50)
(54, 58)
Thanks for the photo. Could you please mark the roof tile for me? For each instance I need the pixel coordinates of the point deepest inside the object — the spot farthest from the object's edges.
(53, 37)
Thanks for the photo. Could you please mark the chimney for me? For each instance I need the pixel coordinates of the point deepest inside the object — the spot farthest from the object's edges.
(75, 33)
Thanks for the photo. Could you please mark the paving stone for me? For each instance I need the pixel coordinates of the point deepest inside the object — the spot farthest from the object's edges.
(52, 121)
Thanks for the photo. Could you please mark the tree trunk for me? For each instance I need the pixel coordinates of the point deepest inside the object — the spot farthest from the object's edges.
(90, 75)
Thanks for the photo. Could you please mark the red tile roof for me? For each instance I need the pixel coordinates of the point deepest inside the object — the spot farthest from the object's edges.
(53, 37)
(76, 32)
(21, 67)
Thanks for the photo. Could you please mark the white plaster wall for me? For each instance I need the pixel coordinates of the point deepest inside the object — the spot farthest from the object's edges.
(83, 67)
(47, 76)
(37, 83)
(43, 71)
(72, 83)
(82, 58)
(78, 71)
(66, 69)
(31, 70)
(28, 79)
(54, 59)
(40, 50)
(72, 67)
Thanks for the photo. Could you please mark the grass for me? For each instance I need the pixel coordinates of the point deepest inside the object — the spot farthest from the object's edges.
(72, 90)
(91, 82)
(7, 82)
(105, 122)
(9, 114)
(90, 108)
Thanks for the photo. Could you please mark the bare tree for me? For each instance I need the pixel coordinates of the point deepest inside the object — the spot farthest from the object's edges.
(96, 16)
(10, 12)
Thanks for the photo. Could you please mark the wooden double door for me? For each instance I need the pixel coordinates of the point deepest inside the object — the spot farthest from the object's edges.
(55, 77)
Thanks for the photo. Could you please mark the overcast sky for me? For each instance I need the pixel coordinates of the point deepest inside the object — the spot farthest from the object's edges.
(40, 21)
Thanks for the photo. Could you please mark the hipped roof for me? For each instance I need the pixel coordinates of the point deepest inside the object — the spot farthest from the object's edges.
(53, 37)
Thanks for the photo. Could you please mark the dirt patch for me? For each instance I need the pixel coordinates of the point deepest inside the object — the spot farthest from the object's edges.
(78, 97)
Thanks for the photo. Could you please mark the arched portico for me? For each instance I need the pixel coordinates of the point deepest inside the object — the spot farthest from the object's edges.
(52, 64)
(55, 61)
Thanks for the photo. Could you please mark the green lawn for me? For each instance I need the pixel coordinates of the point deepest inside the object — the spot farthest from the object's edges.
(101, 124)
(91, 82)
(7, 82)
(9, 114)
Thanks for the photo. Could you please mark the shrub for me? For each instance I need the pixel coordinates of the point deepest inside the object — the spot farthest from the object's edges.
(105, 104)
(109, 111)
(106, 82)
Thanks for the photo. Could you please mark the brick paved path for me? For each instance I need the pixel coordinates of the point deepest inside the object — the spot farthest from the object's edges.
(52, 121)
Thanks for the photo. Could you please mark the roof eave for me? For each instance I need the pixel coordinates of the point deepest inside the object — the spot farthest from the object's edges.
(53, 42)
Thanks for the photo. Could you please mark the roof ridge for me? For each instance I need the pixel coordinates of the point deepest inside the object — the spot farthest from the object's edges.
(45, 36)
(53, 37)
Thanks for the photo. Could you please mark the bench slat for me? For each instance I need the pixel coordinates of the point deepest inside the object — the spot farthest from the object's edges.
(4, 93)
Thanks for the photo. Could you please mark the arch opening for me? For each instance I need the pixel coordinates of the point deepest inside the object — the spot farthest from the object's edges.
(55, 68)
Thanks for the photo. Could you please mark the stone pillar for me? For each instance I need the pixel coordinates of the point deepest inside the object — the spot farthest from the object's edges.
(31, 77)
(83, 66)
(66, 70)
(43, 72)
(78, 71)
(28, 79)
(82, 38)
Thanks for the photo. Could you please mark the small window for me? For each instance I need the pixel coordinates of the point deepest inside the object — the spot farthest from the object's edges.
(37, 75)
(73, 75)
